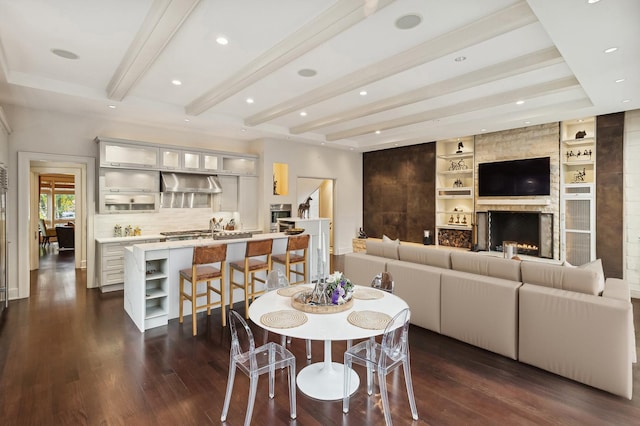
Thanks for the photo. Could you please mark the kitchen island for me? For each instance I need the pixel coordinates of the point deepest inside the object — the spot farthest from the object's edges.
(151, 275)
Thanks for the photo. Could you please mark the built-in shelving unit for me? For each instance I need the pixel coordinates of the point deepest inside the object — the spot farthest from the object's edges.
(455, 168)
(156, 289)
(577, 190)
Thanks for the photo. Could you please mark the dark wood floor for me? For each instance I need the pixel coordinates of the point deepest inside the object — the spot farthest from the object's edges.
(72, 356)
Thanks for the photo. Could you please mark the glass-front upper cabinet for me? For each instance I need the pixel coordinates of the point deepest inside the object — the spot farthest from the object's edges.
(199, 161)
(239, 165)
(170, 159)
(118, 154)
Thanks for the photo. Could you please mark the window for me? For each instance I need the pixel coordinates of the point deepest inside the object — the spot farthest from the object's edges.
(57, 199)
(65, 206)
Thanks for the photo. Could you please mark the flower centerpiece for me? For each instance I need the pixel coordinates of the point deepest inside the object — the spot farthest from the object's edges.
(339, 288)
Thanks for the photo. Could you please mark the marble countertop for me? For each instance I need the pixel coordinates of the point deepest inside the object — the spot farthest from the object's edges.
(126, 239)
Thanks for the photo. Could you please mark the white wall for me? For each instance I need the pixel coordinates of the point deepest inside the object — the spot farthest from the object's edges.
(311, 161)
(631, 247)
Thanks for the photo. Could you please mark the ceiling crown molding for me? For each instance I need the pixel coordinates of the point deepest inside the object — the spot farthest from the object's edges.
(164, 19)
(341, 16)
(500, 22)
(498, 99)
(532, 61)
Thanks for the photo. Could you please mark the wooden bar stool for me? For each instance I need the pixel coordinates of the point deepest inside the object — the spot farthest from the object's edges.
(291, 258)
(201, 271)
(248, 268)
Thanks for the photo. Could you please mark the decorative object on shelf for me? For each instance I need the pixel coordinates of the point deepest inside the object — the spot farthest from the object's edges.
(137, 231)
(464, 220)
(231, 225)
(579, 175)
(426, 238)
(458, 183)
(581, 134)
(128, 231)
(451, 219)
(458, 218)
(275, 186)
(361, 233)
(303, 209)
(457, 165)
(294, 231)
(460, 146)
(117, 231)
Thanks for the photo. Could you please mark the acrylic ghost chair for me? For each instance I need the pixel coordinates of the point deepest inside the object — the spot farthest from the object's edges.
(384, 357)
(275, 280)
(253, 362)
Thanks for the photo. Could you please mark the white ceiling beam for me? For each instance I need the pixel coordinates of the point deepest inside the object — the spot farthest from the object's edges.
(339, 17)
(164, 19)
(501, 22)
(498, 99)
(532, 61)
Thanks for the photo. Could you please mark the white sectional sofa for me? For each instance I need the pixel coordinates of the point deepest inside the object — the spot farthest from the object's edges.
(566, 320)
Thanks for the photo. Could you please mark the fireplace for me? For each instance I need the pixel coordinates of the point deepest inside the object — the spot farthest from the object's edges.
(532, 231)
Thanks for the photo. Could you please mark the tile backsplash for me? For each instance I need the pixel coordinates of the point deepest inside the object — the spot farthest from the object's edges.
(174, 219)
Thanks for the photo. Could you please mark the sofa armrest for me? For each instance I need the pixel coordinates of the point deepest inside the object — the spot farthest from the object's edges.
(616, 288)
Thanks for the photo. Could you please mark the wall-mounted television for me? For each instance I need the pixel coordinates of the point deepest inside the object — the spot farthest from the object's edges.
(515, 178)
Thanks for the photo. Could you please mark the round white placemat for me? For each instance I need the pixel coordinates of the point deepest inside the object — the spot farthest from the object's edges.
(284, 319)
(370, 320)
(290, 290)
(367, 294)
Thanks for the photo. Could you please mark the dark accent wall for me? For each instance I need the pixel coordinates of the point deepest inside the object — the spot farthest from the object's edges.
(609, 193)
(398, 187)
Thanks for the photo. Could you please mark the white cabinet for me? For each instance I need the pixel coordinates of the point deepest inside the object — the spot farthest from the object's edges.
(577, 191)
(170, 159)
(454, 185)
(248, 201)
(227, 201)
(115, 153)
(239, 165)
(200, 161)
(129, 180)
(128, 202)
(146, 288)
(110, 263)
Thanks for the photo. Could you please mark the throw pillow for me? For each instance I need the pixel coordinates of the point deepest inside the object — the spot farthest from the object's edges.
(386, 239)
(596, 266)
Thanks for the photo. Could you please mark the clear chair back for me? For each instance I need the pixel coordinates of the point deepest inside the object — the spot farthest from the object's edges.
(276, 279)
(383, 281)
(395, 338)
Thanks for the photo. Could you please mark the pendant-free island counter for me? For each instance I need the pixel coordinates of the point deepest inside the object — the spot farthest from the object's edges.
(151, 275)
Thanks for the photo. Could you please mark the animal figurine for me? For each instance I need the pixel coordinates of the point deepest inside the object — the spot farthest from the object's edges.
(303, 209)
(581, 134)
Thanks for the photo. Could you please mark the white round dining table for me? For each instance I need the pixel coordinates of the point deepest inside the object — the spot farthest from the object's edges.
(324, 380)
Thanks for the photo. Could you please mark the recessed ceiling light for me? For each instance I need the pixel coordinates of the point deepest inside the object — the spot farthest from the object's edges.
(321, 143)
(620, 80)
(249, 100)
(176, 82)
(363, 93)
(407, 22)
(610, 50)
(350, 149)
(395, 144)
(64, 54)
(483, 130)
(460, 59)
(187, 120)
(222, 40)
(112, 106)
(626, 100)
(303, 113)
(592, 1)
(243, 130)
(519, 102)
(307, 72)
(378, 132)
(527, 122)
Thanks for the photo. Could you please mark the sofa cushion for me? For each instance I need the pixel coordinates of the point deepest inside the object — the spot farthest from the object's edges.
(561, 277)
(425, 255)
(419, 286)
(596, 266)
(476, 263)
(378, 248)
(480, 310)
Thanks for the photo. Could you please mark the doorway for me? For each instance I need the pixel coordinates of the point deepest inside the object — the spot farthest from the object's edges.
(30, 167)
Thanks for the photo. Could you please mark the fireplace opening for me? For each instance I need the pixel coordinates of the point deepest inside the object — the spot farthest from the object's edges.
(532, 232)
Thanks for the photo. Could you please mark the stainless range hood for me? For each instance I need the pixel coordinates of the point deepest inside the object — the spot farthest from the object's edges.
(190, 182)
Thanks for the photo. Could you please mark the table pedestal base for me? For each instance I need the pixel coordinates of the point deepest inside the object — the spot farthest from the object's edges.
(325, 380)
